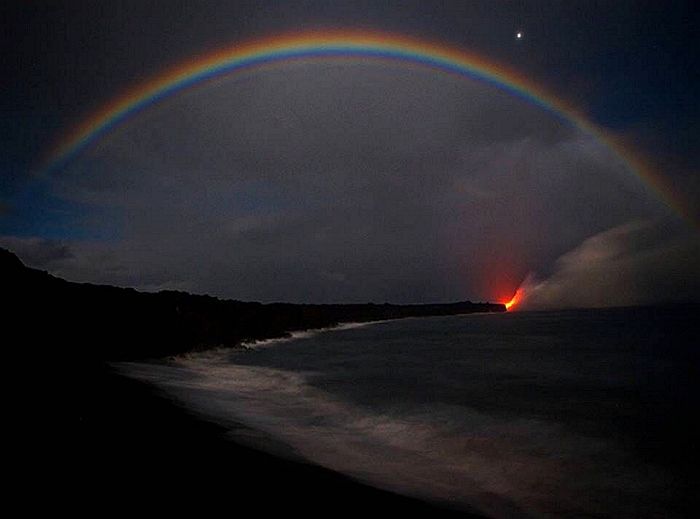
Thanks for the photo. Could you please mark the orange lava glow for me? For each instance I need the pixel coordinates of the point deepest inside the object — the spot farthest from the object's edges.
(514, 300)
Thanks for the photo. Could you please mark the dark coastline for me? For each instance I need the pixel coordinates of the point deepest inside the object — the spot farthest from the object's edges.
(93, 440)
(106, 323)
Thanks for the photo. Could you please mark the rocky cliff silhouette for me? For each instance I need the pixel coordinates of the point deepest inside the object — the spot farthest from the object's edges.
(107, 323)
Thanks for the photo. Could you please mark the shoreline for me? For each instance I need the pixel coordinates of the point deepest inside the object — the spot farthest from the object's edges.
(93, 440)
(137, 444)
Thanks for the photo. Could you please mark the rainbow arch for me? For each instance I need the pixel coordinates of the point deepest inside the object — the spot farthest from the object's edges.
(333, 44)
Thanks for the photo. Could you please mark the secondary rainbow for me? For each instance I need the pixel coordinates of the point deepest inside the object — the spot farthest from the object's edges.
(330, 45)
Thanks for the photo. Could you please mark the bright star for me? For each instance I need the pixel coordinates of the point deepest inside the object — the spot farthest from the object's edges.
(519, 35)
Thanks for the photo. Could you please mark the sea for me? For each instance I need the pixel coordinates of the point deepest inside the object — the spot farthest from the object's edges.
(576, 413)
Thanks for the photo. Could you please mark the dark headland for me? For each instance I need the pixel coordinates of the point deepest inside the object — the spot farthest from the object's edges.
(95, 441)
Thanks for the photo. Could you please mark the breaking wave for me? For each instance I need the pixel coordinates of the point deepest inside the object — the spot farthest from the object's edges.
(304, 334)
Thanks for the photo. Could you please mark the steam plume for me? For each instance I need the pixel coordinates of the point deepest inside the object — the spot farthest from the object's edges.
(640, 262)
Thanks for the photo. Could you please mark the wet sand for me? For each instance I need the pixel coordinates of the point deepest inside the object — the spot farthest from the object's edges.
(136, 450)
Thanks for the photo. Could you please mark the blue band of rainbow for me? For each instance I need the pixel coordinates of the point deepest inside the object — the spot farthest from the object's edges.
(330, 45)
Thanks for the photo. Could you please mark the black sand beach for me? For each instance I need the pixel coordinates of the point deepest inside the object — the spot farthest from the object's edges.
(137, 450)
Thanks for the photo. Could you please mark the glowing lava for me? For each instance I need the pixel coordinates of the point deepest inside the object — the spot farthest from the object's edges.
(514, 300)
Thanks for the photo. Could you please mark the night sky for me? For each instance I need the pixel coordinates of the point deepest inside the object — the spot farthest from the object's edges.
(359, 180)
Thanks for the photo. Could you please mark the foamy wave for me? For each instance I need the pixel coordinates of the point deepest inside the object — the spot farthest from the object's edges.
(305, 334)
(440, 452)
(220, 352)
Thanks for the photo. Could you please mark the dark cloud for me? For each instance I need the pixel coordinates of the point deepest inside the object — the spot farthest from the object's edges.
(39, 252)
(353, 182)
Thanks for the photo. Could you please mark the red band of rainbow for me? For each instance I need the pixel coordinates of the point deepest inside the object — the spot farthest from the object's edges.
(328, 45)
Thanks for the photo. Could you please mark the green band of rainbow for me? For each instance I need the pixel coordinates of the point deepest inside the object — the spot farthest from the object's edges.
(330, 44)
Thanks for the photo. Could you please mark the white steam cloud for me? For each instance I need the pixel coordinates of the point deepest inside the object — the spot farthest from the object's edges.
(640, 262)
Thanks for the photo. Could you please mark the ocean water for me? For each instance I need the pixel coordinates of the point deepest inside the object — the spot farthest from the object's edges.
(582, 413)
